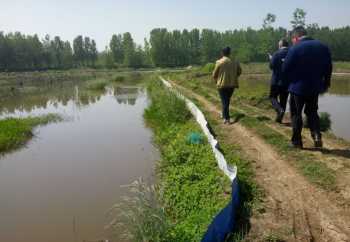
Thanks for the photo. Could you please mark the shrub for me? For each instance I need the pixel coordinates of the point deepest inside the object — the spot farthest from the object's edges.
(325, 122)
(208, 68)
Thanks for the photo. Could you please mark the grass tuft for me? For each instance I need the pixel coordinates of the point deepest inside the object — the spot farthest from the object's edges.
(14, 132)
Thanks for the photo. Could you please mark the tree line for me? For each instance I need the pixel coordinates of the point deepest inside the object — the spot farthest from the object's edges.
(19, 52)
(164, 48)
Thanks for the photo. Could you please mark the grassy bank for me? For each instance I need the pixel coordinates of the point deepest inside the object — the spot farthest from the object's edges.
(194, 189)
(15, 132)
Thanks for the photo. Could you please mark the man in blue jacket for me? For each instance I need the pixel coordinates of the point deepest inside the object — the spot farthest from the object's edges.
(308, 69)
(279, 89)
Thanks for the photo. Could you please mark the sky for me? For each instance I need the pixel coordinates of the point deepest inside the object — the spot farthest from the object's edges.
(99, 19)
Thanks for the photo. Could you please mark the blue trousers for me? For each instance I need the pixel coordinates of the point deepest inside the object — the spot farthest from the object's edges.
(225, 96)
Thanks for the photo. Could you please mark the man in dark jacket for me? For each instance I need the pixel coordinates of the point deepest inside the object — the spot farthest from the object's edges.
(308, 67)
(279, 89)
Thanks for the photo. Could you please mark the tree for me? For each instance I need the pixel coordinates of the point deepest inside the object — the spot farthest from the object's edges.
(79, 52)
(94, 53)
(147, 59)
(269, 20)
(87, 51)
(128, 49)
(116, 47)
(299, 18)
(67, 55)
(58, 50)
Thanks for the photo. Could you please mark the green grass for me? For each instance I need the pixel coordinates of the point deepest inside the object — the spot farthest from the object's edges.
(192, 189)
(14, 132)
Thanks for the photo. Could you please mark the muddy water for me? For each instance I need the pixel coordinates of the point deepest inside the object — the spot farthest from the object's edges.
(60, 187)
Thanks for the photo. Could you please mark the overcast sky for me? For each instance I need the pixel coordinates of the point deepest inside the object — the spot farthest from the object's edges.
(99, 19)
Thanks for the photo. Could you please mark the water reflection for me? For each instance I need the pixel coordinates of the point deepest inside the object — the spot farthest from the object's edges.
(126, 95)
(60, 187)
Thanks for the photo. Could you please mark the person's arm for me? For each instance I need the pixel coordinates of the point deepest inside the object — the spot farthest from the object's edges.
(216, 71)
(274, 61)
(288, 67)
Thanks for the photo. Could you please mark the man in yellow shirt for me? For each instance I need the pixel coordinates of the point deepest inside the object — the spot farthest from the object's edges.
(226, 73)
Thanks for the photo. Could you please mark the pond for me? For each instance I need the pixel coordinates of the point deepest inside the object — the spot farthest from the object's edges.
(337, 104)
(62, 184)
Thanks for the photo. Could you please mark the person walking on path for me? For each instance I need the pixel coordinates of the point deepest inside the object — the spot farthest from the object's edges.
(226, 73)
(279, 91)
(308, 69)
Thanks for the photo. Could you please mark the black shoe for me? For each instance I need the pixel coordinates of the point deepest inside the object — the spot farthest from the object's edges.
(279, 117)
(297, 145)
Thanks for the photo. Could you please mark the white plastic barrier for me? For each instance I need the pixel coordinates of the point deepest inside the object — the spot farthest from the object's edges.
(231, 172)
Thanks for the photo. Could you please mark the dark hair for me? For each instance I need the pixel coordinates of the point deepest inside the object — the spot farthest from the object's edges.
(285, 42)
(299, 31)
(226, 51)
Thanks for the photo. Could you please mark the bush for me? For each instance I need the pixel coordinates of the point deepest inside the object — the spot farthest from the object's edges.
(325, 122)
(208, 68)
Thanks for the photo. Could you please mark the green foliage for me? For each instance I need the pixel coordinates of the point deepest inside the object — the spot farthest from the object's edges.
(325, 121)
(85, 51)
(193, 188)
(14, 132)
(116, 47)
(269, 20)
(208, 68)
(299, 16)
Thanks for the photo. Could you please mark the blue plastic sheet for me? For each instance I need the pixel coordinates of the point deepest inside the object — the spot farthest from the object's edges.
(225, 222)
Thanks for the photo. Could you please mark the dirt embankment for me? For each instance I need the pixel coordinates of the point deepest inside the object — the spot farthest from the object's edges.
(293, 207)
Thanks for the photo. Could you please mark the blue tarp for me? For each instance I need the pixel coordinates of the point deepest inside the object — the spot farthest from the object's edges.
(224, 223)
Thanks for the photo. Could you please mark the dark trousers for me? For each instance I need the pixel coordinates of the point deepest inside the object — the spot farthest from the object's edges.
(225, 96)
(297, 104)
(279, 98)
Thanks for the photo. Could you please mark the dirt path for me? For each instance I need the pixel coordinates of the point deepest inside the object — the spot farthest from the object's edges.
(293, 207)
(335, 154)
